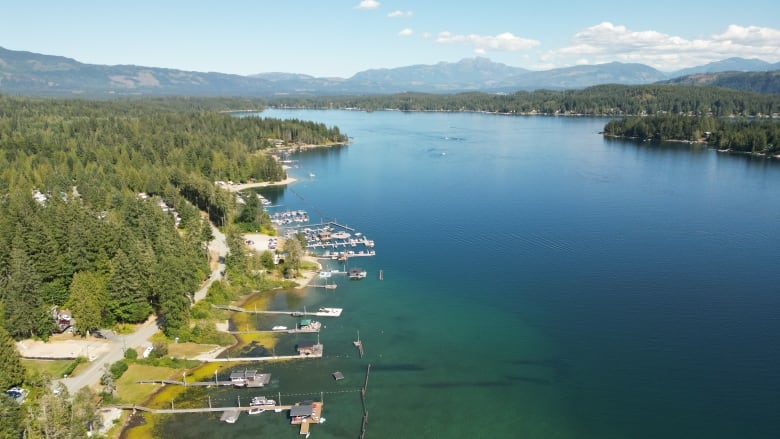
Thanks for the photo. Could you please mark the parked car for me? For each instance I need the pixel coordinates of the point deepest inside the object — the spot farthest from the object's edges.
(17, 393)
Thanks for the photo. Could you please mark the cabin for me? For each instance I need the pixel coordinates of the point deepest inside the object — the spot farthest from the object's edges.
(62, 319)
(324, 235)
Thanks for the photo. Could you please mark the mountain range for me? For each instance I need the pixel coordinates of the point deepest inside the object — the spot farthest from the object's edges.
(33, 74)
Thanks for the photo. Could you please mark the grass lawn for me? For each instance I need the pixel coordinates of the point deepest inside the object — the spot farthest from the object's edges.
(129, 392)
(189, 350)
(52, 368)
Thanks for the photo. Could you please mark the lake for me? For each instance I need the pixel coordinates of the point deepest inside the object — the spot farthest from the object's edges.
(540, 281)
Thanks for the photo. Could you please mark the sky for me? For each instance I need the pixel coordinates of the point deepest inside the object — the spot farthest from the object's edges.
(338, 38)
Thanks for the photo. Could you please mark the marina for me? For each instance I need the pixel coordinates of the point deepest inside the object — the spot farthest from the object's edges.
(566, 285)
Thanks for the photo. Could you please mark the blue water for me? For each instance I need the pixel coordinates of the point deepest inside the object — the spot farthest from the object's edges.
(540, 281)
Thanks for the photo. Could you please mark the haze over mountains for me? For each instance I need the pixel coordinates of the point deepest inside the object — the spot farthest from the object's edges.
(27, 73)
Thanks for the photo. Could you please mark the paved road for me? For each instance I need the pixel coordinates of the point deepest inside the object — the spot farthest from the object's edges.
(91, 375)
(217, 245)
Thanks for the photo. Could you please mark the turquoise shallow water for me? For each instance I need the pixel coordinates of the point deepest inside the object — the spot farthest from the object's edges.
(539, 281)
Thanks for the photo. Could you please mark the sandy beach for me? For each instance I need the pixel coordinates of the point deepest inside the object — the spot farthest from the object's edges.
(241, 187)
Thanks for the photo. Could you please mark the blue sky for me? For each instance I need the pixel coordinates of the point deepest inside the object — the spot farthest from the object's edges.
(343, 37)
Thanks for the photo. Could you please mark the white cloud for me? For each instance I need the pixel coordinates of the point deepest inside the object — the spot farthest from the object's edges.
(368, 4)
(399, 14)
(483, 43)
(406, 32)
(607, 42)
(426, 35)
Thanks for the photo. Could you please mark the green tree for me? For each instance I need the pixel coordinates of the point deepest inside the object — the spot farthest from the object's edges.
(88, 297)
(11, 368)
(84, 413)
(127, 302)
(25, 314)
(292, 259)
(11, 421)
(50, 415)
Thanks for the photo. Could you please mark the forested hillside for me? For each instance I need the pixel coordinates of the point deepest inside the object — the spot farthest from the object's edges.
(602, 100)
(759, 82)
(755, 136)
(76, 231)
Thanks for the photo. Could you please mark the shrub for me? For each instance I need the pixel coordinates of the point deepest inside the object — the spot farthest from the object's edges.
(118, 369)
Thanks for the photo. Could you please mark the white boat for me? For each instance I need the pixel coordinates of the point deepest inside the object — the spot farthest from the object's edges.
(256, 410)
(258, 401)
(279, 328)
(357, 273)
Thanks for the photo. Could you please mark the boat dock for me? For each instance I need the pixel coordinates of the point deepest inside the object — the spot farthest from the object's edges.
(135, 408)
(359, 345)
(278, 331)
(305, 415)
(231, 414)
(322, 312)
(200, 383)
(245, 378)
(276, 357)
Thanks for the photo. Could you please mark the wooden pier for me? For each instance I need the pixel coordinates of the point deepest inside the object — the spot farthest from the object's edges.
(322, 312)
(135, 408)
(276, 357)
(278, 331)
(363, 391)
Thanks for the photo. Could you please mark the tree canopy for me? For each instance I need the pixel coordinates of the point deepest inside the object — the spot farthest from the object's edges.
(100, 200)
(601, 100)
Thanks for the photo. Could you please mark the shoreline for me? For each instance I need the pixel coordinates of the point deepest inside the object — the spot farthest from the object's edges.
(243, 186)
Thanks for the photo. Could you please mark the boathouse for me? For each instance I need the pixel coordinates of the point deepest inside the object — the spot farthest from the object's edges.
(301, 411)
(309, 348)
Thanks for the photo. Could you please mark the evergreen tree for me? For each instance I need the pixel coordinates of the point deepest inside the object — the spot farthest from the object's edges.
(127, 302)
(50, 415)
(10, 418)
(11, 368)
(25, 314)
(88, 297)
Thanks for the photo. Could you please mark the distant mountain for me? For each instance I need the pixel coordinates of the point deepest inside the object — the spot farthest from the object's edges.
(728, 65)
(759, 82)
(465, 75)
(35, 74)
(30, 73)
(585, 76)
